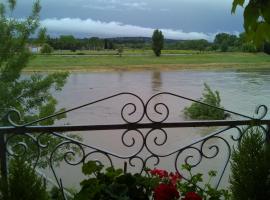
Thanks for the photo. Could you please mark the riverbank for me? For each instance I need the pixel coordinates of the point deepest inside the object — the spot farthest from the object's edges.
(203, 61)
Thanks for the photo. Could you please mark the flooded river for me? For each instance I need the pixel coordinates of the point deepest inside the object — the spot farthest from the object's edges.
(240, 92)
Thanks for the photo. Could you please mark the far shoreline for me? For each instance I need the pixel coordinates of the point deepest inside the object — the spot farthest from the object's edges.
(154, 67)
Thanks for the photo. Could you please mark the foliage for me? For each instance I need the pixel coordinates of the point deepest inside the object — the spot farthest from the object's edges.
(120, 51)
(69, 42)
(256, 19)
(157, 42)
(200, 45)
(249, 47)
(224, 47)
(56, 194)
(46, 49)
(224, 40)
(201, 111)
(157, 184)
(113, 184)
(23, 183)
(30, 95)
(266, 48)
(250, 167)
(191, 191)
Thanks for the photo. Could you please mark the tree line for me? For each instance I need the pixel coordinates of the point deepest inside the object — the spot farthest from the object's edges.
(222, 42)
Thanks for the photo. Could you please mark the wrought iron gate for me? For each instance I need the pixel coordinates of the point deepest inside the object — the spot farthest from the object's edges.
(140, 132)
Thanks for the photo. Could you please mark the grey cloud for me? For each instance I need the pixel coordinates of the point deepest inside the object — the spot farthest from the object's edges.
(115, 5)
(89, 27)
(209, 16)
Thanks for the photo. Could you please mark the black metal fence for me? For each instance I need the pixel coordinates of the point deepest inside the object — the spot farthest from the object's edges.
(144, 138)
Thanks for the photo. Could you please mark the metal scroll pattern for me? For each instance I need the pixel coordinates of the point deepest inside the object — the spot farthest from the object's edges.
(146, 143)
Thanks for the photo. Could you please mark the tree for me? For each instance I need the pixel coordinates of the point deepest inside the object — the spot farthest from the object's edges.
(68, 42)
(250, 166)
(120, 51)
(266, 48)
(201, 45)
(46, 49)
(24, 183)
(157, 42)
(225, 40)
(30, 95)
(256, 20)
(106, 44)
(224, 47)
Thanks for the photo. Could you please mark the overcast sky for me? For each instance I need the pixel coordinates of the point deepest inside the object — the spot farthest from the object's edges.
(178, 19)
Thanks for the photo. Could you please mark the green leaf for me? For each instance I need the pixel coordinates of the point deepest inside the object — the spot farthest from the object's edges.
(237, 3)
(12, 4)
(265, 9)
(262, 34)
(186, 167)
(251, 15)
(112, 173)
(91, 167)
(212, 173)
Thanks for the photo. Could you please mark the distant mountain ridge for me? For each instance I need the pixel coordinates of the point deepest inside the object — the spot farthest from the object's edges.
(138, 40)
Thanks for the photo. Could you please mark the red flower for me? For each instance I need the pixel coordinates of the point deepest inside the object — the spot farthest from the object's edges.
(174, 177)
(165, 192)
(159, 172)
(192, 196)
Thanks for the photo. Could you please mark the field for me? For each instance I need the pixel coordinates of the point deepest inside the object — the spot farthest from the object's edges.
(145, 60)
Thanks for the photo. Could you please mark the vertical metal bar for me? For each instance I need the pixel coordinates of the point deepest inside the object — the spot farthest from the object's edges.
(125, 167)
(268, 133)
(3, 157)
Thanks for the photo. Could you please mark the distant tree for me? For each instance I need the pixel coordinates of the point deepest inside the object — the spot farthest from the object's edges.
(202, 45)
(46, 49)
(110, 45)
(248, 47)
(120, 50)
(106, 44)
(224, 47)
(68, 42)
(214, 47)
(266, 48)
(157, 42)
(224, 41)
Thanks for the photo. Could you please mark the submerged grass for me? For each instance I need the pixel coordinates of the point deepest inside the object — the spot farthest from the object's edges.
(149, 62)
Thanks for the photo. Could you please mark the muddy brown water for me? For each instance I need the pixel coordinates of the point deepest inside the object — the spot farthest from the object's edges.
(240, 92)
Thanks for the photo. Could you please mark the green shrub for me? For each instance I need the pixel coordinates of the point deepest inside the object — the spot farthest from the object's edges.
(113, 184)
(249, 47)
(56, 194)
(156, 184)
(80, 53)
(200, 111)
(46, 49)
(23, 183)
(250, 167)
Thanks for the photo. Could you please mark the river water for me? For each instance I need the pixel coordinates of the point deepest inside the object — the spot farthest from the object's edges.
(240, 91)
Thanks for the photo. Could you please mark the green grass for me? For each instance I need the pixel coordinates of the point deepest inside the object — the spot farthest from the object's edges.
(126, 52)
(128, 62)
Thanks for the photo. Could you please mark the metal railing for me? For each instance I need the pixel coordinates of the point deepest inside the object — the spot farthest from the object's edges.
(143, 138)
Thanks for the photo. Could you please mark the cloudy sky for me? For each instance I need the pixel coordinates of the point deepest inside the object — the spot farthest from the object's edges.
(178, 19)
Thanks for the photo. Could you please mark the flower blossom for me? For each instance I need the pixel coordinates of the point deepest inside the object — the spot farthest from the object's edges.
(192, 196)
(166, 192)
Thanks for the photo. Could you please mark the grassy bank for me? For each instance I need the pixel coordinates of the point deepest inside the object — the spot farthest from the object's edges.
(148, 62)
(125, 52)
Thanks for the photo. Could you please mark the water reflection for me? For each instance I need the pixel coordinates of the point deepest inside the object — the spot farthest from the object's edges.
(156, 81)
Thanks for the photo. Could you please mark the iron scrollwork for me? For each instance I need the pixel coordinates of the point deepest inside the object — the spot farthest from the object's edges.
(75, 152)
